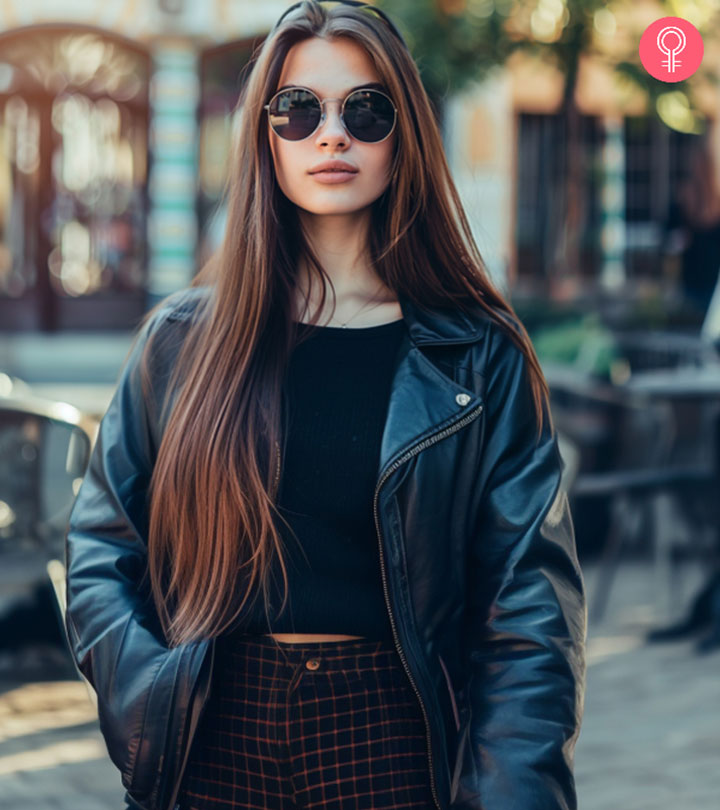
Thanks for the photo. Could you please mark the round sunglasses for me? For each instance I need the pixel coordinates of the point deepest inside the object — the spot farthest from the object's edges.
(296, 112)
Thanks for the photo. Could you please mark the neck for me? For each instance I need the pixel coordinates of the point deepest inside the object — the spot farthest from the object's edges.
(340, 243)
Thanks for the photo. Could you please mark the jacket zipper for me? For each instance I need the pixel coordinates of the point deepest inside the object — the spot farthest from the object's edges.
(397, 463)
(277, 466)
(409, 454)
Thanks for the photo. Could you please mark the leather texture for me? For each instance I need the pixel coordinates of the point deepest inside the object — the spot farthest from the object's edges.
(478, 558)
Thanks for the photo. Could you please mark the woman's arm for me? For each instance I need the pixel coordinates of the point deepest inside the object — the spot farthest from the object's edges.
(527, 614)
(112, 627)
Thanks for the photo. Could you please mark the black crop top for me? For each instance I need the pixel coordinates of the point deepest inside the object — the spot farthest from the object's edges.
(336, 395)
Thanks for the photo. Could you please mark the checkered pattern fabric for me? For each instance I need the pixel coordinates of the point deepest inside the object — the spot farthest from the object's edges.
(328, 724)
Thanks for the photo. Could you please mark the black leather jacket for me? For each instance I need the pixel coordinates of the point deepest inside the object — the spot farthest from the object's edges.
(478, 560)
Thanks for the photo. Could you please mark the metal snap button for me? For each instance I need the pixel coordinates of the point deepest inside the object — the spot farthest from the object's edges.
(462, 399)
(312, 663)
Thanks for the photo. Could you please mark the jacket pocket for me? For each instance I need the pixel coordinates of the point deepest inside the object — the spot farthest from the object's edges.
(195, 673)
(451, 691)
(147, 762)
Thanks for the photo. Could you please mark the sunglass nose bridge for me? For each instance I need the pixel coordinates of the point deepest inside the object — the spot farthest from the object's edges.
(323, 111)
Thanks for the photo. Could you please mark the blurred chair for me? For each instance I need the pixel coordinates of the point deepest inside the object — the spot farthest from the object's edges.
(645, 350)
(658, 495)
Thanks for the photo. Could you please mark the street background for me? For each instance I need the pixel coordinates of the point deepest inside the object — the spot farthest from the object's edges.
(593, 193)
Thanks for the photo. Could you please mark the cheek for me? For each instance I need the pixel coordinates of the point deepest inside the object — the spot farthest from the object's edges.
(383, 163)
(289, 162)
(281, 163)
(276, 155)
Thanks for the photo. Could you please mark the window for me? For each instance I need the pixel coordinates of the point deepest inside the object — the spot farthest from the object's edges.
(656, 160)
(541, 189)
(73, 176)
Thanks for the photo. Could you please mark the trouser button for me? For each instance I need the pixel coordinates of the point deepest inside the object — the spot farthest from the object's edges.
(312, 663)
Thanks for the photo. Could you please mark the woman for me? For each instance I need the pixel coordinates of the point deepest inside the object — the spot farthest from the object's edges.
(391, 458)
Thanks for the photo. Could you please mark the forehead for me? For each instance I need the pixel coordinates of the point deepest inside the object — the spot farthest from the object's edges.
(329, 67)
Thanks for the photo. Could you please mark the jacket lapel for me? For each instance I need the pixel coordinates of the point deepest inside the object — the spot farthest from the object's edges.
(423, 399)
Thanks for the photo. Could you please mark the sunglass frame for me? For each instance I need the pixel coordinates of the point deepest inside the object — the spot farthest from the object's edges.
(323, 116)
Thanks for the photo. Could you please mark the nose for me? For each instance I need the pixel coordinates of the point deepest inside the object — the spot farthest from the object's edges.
(331, 129)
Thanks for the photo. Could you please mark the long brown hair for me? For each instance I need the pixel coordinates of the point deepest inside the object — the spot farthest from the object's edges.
(214, 482)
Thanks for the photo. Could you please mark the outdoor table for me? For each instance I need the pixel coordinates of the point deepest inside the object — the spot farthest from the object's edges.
(678, 413)
(691, 396)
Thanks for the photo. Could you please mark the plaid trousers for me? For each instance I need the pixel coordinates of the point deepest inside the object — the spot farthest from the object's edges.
(331, 724)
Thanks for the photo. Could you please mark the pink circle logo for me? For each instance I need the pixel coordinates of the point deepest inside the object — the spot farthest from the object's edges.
(671, 49)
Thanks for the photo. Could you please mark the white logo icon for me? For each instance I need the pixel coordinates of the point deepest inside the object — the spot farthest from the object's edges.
(671, 62)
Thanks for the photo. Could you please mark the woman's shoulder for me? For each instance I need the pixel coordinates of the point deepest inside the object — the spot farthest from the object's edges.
(169, 318)
(497, 335)
(182, 304)
(165, 328)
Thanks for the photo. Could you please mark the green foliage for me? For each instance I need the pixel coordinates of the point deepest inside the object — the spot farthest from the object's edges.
(585, 344)
(453, 49)
(456, 42)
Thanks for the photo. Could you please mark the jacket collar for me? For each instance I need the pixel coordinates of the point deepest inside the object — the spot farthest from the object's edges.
(424, 400)
(441, 326)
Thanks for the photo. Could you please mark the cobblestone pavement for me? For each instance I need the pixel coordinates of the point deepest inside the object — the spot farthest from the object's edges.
(650, 738)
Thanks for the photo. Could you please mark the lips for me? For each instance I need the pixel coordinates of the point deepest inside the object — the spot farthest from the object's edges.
(331, 166)
(333, 177)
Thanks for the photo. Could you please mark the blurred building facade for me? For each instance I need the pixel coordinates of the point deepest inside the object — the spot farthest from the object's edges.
(115, 124)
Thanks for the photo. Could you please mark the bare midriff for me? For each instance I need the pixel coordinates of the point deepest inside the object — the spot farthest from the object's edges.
(300, 638)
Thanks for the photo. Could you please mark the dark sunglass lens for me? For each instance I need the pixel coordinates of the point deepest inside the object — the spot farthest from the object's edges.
(369, 115)
(294, 114)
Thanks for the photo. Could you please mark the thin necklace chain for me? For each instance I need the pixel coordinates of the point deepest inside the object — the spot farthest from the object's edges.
(344, 325)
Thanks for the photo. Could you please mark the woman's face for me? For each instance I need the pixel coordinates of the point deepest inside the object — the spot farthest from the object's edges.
(331, 69)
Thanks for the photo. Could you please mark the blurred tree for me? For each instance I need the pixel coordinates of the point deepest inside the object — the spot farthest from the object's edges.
(456, 42)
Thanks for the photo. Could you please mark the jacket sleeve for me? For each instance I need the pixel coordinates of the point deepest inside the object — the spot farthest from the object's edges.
(113, 631)
(527, 614)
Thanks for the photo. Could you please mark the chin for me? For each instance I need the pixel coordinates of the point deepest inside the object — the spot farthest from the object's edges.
(333, 206)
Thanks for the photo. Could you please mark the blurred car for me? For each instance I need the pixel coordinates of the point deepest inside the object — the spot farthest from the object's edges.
(45, 447)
